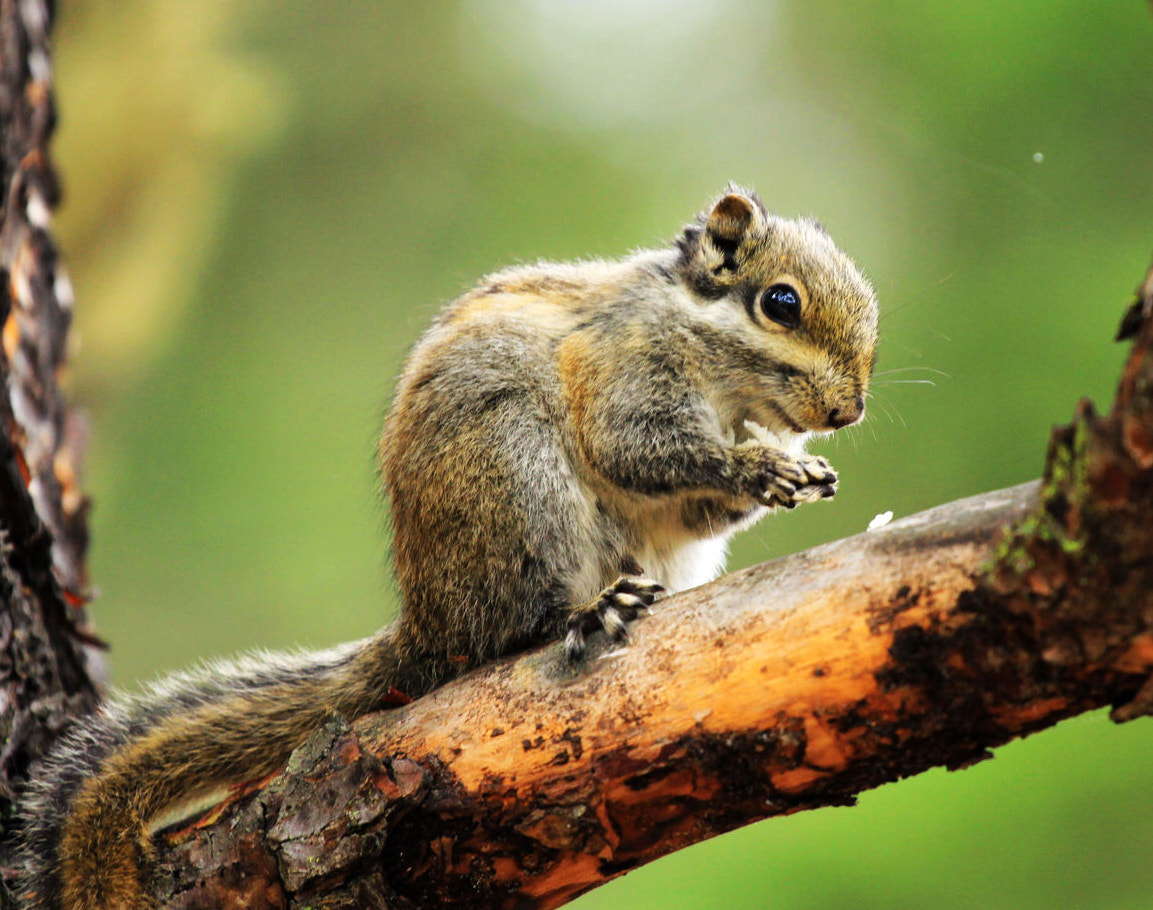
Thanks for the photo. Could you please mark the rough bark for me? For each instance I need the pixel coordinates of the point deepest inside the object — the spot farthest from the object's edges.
(44, 665)
(791, 685)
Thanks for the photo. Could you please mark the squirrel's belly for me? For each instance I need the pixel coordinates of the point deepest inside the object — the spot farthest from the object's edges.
(691, 564)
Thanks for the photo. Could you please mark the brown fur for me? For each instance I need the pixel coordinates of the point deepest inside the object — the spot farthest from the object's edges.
(554, 427)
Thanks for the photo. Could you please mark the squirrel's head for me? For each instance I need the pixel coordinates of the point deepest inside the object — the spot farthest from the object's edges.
(790, 319)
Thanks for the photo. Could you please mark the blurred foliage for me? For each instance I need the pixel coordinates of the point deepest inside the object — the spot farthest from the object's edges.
(268, 201)
(158, 109)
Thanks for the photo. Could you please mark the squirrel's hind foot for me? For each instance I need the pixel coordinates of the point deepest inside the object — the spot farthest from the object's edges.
(611, 610)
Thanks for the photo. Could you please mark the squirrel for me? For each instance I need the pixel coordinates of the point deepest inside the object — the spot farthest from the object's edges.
(566, 443)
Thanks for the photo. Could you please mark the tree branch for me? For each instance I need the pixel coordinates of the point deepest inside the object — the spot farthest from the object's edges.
(791, 685)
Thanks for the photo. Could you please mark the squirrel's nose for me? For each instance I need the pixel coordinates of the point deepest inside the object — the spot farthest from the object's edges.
(846, 416)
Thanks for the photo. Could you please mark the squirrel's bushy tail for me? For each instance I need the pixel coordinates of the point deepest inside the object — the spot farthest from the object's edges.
(87, 808)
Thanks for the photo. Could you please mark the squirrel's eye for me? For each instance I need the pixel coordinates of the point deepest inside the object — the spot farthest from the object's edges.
(782, 304)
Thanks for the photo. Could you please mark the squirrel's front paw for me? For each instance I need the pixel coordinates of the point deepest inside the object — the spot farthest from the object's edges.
(610, 610)
(779, 479)
(820, 480)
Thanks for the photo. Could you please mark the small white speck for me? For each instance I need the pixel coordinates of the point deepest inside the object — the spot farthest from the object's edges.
(35, 16)
(63, 287)
(879, 521)
(38, 212)
(1038, 157)
(21, 289)
(38, 66)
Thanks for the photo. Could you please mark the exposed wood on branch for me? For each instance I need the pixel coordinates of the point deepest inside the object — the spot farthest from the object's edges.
(791, 685)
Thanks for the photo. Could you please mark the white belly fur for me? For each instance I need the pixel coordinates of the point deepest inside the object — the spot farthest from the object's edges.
(691, 564)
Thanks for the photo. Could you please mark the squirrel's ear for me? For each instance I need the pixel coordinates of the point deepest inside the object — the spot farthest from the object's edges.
(714, 246)
(730, 220)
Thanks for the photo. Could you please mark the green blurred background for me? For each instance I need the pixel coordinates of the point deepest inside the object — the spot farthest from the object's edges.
(267, 201)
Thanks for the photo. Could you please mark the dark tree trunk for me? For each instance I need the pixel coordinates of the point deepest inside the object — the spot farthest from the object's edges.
(45, 649)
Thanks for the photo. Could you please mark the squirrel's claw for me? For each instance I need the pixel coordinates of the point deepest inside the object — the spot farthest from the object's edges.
(817, 470)
(809, 478)
(611, 610)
